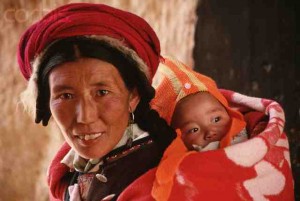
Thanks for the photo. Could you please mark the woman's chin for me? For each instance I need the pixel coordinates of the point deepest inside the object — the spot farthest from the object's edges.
(91, 149)
(90, 154)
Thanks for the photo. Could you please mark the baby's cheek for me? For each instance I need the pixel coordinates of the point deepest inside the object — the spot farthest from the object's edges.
(189, 139)
(184, 138)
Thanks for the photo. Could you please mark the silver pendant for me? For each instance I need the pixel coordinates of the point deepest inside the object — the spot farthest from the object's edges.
(101, 178)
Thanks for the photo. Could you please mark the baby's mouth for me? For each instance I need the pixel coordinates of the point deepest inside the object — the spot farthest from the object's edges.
(197, 147)
(211, 146)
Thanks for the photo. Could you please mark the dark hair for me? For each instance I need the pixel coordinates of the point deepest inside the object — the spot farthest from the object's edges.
(73, 48)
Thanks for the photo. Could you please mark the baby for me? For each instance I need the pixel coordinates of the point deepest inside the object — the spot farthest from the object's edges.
(197, 108)
(203, 122)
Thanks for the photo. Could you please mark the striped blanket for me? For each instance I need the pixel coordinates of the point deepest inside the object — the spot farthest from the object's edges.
(258, 169)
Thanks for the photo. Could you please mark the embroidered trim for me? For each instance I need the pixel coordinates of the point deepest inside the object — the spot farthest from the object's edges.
(114, 157)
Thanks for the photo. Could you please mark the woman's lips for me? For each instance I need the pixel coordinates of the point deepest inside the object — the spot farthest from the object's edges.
(88, 136)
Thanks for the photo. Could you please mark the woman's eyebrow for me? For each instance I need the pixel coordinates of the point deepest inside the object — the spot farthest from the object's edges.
(102, 83)
(58, 88)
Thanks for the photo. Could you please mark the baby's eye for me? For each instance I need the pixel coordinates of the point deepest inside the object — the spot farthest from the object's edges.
(102, 92)
(216, 119)
(193, 130)
(66, 96)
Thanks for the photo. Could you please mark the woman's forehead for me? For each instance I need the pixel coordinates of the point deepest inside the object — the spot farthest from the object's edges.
(85, 69)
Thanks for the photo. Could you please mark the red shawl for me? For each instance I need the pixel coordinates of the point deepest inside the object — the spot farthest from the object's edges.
(255, 170)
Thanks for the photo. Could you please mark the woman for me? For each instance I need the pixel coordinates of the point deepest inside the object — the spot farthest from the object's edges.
(90, 67)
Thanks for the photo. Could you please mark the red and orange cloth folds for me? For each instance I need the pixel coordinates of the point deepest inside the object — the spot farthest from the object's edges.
(258, 169)
(85, 19)
(176, 82)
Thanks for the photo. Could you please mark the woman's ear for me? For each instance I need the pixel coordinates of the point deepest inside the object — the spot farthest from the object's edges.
(134, 99)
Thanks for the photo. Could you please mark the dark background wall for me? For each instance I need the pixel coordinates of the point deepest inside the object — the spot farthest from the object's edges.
(250, 46)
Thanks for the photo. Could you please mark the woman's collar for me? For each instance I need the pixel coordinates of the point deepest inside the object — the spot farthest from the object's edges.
(76, 162)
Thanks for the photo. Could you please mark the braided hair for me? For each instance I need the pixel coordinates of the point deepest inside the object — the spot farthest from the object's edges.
(73, 48)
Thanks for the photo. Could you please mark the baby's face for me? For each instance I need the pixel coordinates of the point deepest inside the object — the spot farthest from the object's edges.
(201, 118)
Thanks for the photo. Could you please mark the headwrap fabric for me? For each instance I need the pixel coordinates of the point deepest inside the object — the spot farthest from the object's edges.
(86, 19)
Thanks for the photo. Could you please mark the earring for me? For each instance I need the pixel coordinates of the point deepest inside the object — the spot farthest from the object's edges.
(130, 128)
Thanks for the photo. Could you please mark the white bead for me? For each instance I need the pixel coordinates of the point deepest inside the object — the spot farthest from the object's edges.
(187, 85)
(101, 178)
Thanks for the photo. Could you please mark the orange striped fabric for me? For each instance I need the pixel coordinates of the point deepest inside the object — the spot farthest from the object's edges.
(176, 82)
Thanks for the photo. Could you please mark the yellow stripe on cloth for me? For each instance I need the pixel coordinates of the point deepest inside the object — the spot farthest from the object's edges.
(167, 72)
(189, 72)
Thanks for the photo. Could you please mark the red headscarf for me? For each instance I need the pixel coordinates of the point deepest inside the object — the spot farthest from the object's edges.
(80, 19)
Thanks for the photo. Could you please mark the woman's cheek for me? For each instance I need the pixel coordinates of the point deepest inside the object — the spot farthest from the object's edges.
(61, 110)
(111, 104)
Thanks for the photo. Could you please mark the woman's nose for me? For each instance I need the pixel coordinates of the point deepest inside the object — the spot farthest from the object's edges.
(86, 111)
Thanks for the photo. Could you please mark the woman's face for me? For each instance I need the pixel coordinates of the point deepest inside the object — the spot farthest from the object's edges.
(90, 103)
(201, 118)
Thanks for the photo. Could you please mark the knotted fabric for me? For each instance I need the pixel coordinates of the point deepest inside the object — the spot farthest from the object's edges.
(86, 19)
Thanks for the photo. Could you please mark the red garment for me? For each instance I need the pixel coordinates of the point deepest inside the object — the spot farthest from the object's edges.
(56, 173)
(80, 19)
(258, 169)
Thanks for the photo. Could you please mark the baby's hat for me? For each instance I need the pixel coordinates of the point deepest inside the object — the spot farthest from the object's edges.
(174, 81)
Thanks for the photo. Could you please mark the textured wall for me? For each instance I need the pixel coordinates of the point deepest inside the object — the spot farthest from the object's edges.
(25, 148)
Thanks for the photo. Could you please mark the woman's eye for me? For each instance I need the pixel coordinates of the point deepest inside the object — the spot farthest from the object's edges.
(216, 119)
(102, 92)
(66, 96)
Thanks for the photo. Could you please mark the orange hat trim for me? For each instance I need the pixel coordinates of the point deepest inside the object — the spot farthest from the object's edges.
(166, 170)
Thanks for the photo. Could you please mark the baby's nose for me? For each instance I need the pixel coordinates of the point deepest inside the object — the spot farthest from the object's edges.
(210, 136)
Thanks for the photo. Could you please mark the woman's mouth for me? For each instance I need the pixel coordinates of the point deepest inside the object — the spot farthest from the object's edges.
(88, 136)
